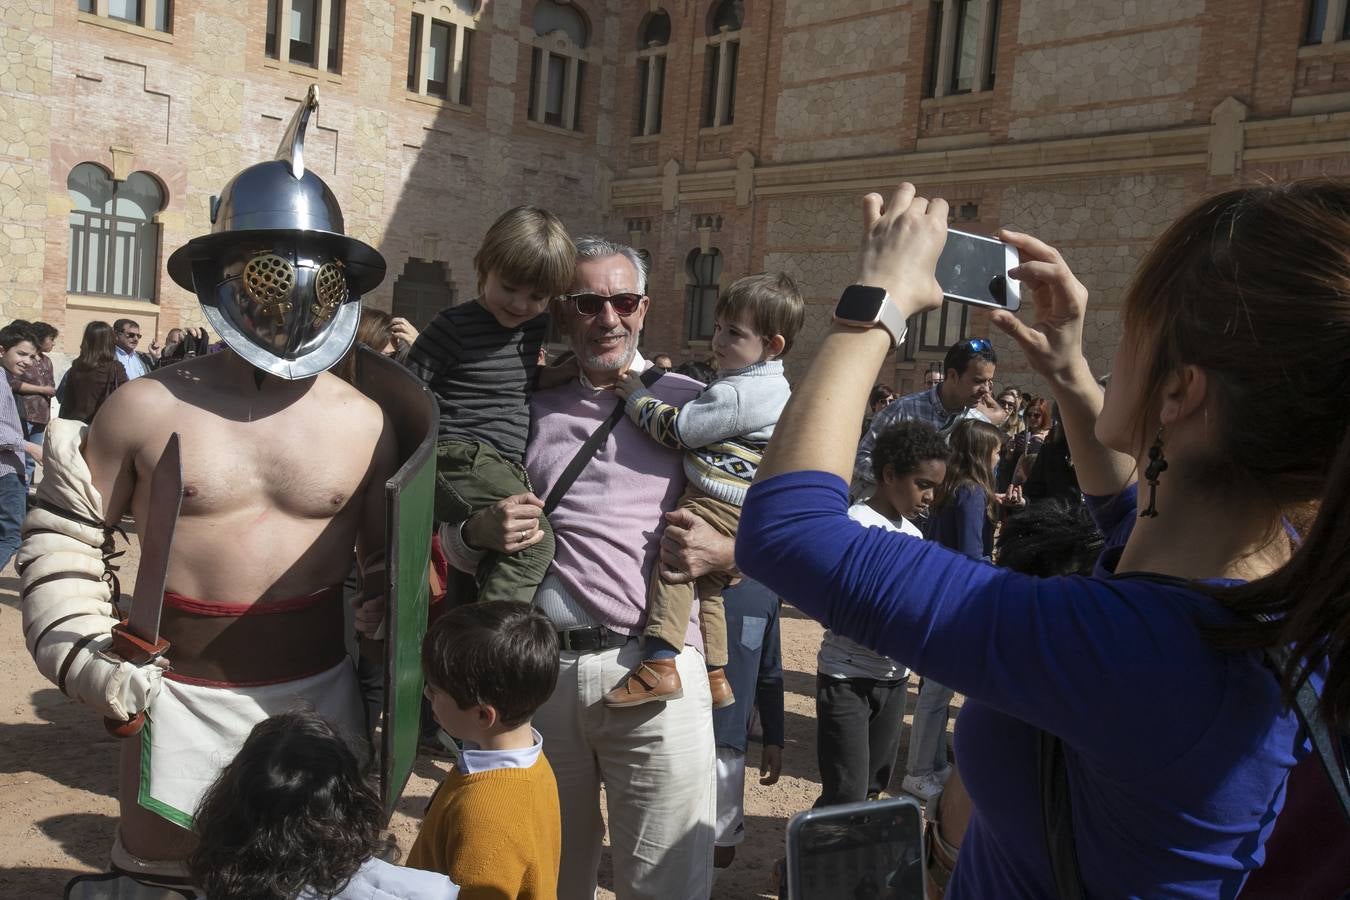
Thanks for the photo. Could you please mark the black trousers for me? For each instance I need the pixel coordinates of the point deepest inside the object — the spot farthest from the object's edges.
(858, 725)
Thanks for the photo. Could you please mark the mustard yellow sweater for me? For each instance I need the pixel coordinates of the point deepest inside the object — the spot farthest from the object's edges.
(497, 834)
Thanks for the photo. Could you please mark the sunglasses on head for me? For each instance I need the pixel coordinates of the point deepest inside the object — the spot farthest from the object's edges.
(978, 345)
(593, 304)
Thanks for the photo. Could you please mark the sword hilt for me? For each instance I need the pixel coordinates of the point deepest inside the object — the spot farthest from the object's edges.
(137, 651)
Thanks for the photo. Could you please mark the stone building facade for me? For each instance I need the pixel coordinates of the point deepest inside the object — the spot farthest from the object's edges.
(722, 137)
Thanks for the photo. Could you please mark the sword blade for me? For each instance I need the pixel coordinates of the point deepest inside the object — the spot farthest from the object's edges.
(156, 538)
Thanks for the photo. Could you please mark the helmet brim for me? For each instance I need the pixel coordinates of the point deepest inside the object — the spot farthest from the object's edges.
(365, 266)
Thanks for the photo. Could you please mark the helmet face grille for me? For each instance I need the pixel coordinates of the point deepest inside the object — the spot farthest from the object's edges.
(269, 281)
(330, 290)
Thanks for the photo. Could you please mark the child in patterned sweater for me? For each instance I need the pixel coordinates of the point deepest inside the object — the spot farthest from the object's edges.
(723, 431)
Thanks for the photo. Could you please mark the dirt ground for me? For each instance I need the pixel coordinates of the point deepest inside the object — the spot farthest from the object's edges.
(58, 771)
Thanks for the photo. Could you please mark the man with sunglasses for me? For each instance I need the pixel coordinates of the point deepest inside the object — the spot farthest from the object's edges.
(965, 392)
(127, 336)
(656, 762)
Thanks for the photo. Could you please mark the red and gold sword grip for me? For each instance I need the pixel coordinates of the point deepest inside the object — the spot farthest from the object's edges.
(136, 639)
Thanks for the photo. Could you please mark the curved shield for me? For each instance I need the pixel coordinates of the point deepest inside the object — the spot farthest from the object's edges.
(408, 518)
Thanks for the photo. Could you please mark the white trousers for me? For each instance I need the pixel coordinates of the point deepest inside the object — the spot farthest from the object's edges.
(656, 762)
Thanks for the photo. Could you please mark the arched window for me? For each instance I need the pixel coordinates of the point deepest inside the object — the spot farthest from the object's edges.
(704, 272)
(720, 59)
(114, 240)
(652, 41)
(440, 54)
(422, 290)
(557, 66)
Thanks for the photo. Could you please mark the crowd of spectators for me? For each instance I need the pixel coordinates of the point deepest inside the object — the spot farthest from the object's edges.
(990, 540)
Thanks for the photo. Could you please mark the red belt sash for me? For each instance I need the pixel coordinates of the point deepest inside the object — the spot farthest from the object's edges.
(250, 644)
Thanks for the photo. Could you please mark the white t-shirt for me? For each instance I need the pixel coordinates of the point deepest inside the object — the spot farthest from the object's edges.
(840, 657)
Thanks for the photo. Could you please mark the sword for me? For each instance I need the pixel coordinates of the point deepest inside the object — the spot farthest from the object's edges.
(137, 639)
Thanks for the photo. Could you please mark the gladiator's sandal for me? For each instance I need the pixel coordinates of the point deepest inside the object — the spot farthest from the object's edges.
(68, 586)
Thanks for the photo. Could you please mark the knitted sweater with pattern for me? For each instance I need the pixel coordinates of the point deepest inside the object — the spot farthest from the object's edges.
(725, 429)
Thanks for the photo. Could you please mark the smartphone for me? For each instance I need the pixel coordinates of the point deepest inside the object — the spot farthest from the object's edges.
(872, 849)
(974, 269)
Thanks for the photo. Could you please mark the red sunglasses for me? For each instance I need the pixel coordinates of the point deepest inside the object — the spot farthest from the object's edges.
(593, 304)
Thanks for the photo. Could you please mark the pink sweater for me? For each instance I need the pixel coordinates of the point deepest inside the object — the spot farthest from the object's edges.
(608, 526)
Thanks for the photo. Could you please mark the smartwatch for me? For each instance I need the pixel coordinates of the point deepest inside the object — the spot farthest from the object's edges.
(864, 306)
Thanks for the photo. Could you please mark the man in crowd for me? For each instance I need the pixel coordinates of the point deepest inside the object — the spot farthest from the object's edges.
(932, 377)
(663, 361)
(127, 335)
(656, 761)
(966, 391)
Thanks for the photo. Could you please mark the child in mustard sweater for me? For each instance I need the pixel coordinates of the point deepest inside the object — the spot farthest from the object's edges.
(494, 824)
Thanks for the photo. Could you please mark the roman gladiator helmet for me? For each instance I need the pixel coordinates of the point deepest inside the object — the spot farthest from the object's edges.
(277, 276)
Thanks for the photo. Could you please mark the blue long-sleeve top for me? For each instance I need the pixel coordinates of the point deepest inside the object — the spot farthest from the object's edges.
(962, 523)
(1177, 754)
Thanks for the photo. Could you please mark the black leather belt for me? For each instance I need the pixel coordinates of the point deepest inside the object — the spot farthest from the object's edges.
(591, 639)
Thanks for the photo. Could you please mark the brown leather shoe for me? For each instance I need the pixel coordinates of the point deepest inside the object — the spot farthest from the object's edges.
(722, 695)
(655, 680)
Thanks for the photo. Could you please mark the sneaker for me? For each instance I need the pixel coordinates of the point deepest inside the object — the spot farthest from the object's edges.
(720, 688)
(925, 787)
(944, 773)
(654, 680)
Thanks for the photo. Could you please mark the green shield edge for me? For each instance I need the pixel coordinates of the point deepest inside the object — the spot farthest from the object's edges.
(408, 521)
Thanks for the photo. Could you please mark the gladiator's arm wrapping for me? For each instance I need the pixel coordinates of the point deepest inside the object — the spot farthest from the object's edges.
(68, 607)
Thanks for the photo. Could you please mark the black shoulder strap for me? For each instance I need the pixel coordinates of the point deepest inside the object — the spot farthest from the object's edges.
(1057, 817)
(1335, 760)
(593, 443)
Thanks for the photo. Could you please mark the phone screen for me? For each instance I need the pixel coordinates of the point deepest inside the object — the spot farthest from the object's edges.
(974, 269)
(858, 850)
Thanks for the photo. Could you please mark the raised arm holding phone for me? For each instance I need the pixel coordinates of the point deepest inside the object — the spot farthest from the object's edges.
(1177, 736)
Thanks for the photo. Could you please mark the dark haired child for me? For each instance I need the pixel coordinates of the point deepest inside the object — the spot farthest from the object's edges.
(724, 432)
(291, 817)
(494, 825)
(860, 695)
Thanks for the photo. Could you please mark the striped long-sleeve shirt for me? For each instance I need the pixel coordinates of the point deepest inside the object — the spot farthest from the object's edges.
(482, 375)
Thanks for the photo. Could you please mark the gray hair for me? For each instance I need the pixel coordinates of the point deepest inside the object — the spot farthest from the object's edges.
(593, 246)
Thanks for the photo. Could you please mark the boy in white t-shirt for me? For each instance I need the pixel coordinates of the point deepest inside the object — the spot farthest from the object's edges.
(860, 695)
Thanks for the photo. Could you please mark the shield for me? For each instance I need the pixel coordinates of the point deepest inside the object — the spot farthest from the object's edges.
(408, 520)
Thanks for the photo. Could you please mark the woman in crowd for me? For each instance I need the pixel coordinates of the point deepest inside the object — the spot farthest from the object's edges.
(290, 818)
(380, 332)
(1021, 450)
(963, 520)
(93, 376)
(1177, 737)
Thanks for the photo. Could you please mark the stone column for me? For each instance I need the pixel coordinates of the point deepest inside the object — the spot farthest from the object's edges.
(723, 79)
(284, 31)
(322, 10)
(983, 58)
(569, 94)
(656, 73)
(456, 64)
(946, 45)
(541, 87)
(1331, 29)
(424, 72)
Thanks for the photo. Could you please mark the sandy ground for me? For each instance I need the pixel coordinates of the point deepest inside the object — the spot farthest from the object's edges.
(58, 780)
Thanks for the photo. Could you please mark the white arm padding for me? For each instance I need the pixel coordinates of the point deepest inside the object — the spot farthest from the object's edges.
(68, 609)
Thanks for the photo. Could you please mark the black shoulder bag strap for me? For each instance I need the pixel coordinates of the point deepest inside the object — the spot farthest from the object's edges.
(1057, 817)
(1335, 759)
(593, 443)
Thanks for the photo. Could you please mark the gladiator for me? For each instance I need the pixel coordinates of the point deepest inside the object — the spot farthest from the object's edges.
(283, 476)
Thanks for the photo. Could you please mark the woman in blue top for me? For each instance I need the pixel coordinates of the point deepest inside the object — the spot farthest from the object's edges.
(1178, 738)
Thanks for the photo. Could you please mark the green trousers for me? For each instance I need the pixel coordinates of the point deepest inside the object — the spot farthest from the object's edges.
(471, 476)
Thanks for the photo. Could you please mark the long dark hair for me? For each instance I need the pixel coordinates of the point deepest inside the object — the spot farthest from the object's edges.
(96, 347)
(290, 811)
(973, 443)
(1253, 286)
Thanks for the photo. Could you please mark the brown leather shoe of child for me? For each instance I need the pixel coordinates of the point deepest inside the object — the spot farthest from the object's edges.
(722, 695)
(655, 680)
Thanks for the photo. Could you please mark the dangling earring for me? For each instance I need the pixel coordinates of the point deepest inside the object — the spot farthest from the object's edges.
(1157, 464)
